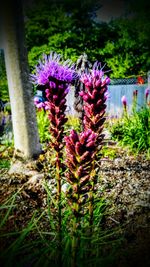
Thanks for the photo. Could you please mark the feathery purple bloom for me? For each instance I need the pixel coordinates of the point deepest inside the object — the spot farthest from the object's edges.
(52, 70)
(95, 78)
(54, 75)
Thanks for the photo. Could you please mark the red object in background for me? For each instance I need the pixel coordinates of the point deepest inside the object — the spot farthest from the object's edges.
(140, 80)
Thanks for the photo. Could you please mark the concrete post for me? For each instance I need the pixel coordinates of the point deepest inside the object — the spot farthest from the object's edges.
(26, 137)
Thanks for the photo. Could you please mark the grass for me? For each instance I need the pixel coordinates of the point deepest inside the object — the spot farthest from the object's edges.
(4, 164)
(133, 131)
(108, 152)
(6, 152)
(35, 244)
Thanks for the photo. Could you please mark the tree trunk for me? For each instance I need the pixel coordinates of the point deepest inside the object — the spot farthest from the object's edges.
(26, 138)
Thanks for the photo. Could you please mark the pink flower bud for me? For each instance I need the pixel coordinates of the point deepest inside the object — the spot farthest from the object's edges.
(40, 105)
(55, 97)
(107, 80)
(78, 148)
(85, 97)
(85, 156)
(97, 83)
(74, 136)
(80, 171)
(47, 91)
(84, 180)
(82, 137)
(91, 144)
(124, 101)
(94, 94)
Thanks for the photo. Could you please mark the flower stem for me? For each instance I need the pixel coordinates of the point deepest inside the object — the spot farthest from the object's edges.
(58, 179)
(74, 244)
(75, 236)
(91, 205)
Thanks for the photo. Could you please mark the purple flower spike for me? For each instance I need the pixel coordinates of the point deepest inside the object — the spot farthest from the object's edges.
(80, 151)
(55, 75)
(124, 101)
(95, 78)
(94, 98)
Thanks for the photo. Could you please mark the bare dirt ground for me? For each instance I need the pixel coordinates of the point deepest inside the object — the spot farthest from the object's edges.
(124, 182)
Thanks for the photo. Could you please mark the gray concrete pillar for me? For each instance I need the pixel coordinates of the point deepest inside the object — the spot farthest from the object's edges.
(25, 131)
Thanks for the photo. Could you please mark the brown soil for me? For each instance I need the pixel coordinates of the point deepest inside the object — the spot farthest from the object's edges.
(124, 181)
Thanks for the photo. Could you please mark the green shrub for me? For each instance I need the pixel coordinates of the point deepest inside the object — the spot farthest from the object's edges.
(4, 95)
(43, 126)
(133, 130)
(72, 123)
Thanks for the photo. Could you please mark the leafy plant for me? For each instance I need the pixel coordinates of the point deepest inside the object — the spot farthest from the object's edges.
(4, 163)
(108, 152)
(133, 130)
(4, 95)
(71, 28)
(73, 122)
(33, 244)
(43, 126)
(54, 76)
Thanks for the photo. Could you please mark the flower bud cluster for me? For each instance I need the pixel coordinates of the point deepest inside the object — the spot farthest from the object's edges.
(94, 99)
(56, 106)
(80, 152)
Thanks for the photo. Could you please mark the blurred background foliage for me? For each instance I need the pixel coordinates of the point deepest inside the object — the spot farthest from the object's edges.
(71, 28)
(74, 27)
(4, 96)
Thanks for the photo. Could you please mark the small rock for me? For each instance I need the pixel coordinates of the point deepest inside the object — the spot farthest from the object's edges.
(36, 178)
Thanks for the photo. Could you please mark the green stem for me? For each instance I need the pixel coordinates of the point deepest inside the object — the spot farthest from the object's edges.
(75, 241)
(75, 234)
(58, 179)
(91, 194)
(91, 208)
(74, 244)
(91, 205)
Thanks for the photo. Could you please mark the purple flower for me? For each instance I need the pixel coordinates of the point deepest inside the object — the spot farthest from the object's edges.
(52, 70)
(39, 102)
(40, 105)
(54, 75)
(95, 78)
(124, 101)
(147, 92)
(80, 152)
(94, 97)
